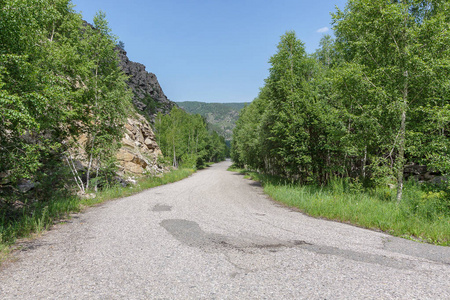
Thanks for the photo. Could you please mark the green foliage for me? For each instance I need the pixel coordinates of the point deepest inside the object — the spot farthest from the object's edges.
(120, 45)
(60, 83)
(152, 105)
(105, 99)
(202, 108)
(186, 141)
(400, 66)
(59, 79)
(289, 129)
(362, 105)
(35, 92)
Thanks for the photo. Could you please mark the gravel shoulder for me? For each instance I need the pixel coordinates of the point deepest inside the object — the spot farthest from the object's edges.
(215, 235)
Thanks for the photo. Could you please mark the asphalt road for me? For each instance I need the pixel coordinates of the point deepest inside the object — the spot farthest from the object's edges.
(215, 235)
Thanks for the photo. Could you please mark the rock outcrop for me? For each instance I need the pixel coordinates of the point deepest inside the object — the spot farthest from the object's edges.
(139, 152)
(149, 98)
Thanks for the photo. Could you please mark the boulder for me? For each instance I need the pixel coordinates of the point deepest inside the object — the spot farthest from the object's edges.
(128, 141)
(439, 180)
(421, 173)
(5, 177)
(26, 185)
(138, 155)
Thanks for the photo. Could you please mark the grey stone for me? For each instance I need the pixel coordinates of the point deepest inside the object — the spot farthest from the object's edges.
(439, 180)
(26, 186)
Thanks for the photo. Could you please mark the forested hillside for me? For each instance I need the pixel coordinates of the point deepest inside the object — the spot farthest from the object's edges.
(363, 107)
(222, 117)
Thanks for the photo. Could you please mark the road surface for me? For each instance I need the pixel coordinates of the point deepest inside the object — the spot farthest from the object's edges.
(215, 235)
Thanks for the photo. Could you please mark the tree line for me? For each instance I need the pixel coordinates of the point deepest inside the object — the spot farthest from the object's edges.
(186, 140)
(59, 80)
(364, 105)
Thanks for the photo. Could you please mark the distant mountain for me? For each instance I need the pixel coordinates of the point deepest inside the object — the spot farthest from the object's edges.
(221, 116)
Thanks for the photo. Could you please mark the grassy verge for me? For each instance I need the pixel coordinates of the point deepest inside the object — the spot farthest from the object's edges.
(422, 215)
(35, 218)
(142, 184)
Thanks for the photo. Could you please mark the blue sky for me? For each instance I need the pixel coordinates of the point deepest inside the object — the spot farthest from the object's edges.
(211, 50)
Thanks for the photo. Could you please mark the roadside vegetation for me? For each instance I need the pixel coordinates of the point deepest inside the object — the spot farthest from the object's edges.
(421, 216)
(341, 126)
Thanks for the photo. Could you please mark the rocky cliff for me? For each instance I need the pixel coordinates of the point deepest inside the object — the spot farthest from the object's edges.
(139, 152)
(149, 98)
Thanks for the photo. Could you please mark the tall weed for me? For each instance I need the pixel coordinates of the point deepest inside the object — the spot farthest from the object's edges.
(423, 214)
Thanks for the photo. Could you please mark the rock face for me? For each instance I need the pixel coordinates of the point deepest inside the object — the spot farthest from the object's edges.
(139, 152)
(138, 155)
(149, 98)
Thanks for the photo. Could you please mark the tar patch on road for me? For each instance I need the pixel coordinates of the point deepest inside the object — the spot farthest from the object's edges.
(190, 233)
(161, 207)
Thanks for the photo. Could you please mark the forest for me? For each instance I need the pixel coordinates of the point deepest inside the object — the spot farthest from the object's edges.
(368, 103)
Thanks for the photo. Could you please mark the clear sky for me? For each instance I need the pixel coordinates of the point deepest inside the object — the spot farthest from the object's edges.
(211, 50)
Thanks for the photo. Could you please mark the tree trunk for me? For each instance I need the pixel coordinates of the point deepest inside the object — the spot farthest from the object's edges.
(74, 171)
(364, 162)
(401, 142)
(174, 153)
(96, 174)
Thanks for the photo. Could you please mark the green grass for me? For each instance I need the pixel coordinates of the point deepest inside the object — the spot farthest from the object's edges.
(143, 184)
(38, 217)
(422, 215)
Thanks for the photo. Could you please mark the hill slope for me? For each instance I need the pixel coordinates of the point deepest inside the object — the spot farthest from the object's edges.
(221, 116)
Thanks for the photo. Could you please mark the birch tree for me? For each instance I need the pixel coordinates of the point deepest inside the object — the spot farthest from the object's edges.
(395, 51)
